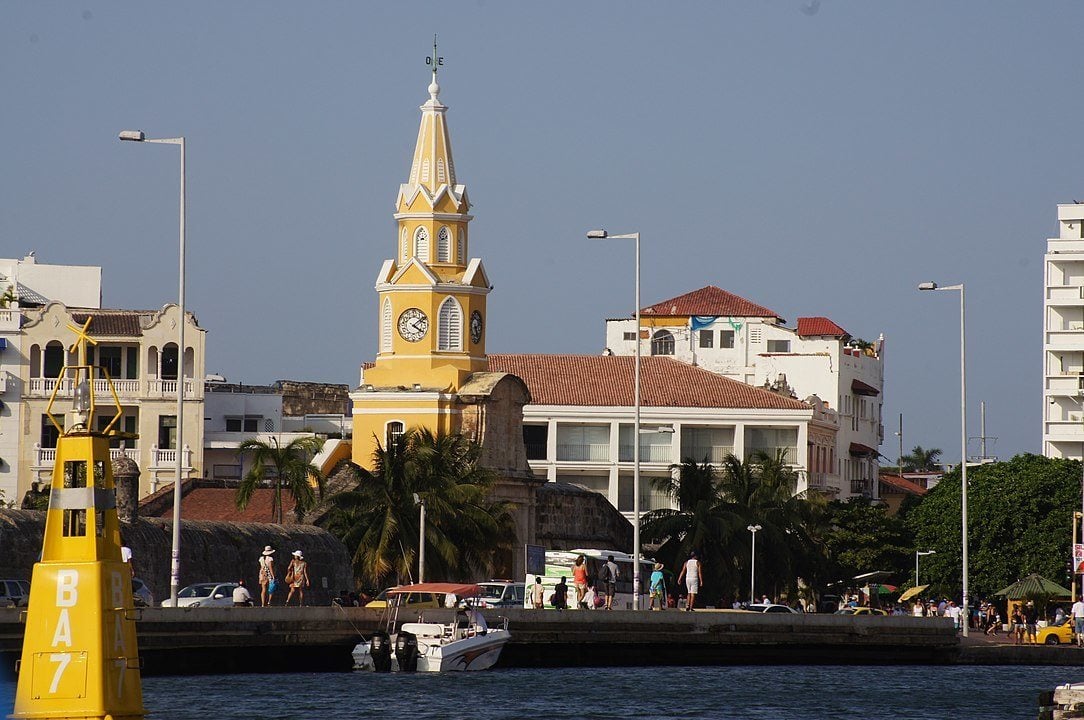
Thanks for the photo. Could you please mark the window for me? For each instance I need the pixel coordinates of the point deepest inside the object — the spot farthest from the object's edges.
(629, 336)
(404, 245)
(535, 438)
(450, 326)
(662, 343)
(462, 249)
(726, 338)
(707, 338)
(421, 244)
(169, 362)
(444, 245)
(252, 423)
(49, 433)
(385, 326)
(394, 431)
(779, 346)
(234, 424)
(167, 432)
(109, 357)
(54, 359)
(131, 370)
(583, 442)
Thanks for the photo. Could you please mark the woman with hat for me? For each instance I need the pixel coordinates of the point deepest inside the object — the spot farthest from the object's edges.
(297, 577)
(267, 575)
(657, 587)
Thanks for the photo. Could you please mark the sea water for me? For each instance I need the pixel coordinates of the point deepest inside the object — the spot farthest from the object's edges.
(768, 692)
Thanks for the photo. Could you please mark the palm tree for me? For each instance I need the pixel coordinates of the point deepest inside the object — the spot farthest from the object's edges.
(921, 460)
(290, 467)
(714, 510)
(378, 521)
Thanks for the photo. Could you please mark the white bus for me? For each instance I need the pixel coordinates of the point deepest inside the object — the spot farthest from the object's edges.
(559, 564)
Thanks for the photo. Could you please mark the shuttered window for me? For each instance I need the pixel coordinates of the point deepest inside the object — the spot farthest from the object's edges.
(450, 319)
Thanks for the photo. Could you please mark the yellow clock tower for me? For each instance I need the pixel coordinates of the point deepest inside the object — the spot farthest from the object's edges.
(432, 300)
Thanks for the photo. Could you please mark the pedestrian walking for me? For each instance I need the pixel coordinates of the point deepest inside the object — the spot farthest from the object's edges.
(1077, 613)
(297, 577)
(658, 587)
(690, 571)
(608, 577)
(579, 581)
(267, 576)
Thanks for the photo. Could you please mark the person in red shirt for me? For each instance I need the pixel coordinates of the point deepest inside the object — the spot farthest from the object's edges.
(579, 581)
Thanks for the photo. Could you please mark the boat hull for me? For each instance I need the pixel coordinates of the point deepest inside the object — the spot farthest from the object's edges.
(477, 652)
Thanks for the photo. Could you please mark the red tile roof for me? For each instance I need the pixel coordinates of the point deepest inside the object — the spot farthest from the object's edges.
(606, 381)
(124, 323)
(901, 484)
(709, 301)
(202, 503)
(812, 326)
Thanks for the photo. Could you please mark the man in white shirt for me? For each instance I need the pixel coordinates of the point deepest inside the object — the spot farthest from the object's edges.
(1077, 613)
(241, 595)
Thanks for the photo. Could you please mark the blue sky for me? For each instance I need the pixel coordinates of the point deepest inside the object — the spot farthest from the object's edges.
(818, 163)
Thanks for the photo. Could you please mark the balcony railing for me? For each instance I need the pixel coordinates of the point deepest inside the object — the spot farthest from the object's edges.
(127, 389)
(714, 453)
(648, 453)
(536, 450)
(791, 452)
(583, 452)
(46, 457)
(9, 319)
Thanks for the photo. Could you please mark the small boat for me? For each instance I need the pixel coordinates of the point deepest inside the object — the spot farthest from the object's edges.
(451, 639)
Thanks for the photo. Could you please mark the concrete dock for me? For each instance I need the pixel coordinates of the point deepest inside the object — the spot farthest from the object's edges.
(320, 639)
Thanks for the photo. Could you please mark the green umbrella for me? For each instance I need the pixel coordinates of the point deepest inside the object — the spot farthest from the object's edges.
(1033, 585)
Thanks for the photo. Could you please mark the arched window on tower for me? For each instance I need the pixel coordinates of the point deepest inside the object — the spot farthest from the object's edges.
(444, 245)
(662, 343)
(450, 326)
(421, 244)
(461, 250)
(404, 245)
(393, 431)
(385, 326)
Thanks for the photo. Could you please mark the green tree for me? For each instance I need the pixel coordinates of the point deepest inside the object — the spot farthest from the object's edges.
(465, 530)
(715, 508)
(1019, 522)
(289, 467)
(864, 537)
(921, 459)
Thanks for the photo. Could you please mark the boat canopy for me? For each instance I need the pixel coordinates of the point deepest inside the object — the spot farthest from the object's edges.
(460, 590)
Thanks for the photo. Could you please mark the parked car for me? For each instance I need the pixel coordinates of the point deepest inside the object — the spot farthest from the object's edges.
(204, 595)
(141, 594)
(414, 600)
(1056, 634)
(501, 593)
(14, 593)
(860, 611)
(771, 608)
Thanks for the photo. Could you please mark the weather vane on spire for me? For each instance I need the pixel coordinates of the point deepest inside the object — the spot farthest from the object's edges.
(434, 60)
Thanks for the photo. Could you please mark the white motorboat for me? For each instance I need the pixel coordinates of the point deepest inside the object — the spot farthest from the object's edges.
(461, 640)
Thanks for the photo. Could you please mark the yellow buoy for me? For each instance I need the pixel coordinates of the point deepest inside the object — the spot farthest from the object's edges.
(79, 656)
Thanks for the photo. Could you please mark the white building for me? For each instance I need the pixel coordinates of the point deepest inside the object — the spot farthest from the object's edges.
(729, 335)
(26, 283)
(578, 426)
(1063, 337)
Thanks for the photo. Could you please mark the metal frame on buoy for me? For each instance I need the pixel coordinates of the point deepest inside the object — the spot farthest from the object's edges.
(79, 657)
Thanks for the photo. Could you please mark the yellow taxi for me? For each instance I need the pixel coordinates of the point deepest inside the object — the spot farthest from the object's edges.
(1059, 634)
(860, 611)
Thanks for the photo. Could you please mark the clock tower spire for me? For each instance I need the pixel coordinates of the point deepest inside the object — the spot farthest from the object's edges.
(432, 294)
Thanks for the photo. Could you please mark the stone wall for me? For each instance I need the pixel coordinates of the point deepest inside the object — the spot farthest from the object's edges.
(309, 398)
(569, 516)
(211, 552)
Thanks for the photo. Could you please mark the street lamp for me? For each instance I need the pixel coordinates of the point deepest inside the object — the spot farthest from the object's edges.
(602, 235)
(420, 502)
(964, 610)
(918, 554)
(753, 564)
(175, 564)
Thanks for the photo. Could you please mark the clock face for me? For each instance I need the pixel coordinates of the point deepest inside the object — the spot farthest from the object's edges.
(413, 325)
(475, 327)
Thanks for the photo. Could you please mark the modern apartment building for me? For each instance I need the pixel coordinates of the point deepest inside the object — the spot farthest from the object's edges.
(1063, 337)
(815, 360)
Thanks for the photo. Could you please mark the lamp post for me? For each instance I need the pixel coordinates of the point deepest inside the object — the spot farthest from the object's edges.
(420, 502)
(175, 563)
(918, 554)
(753, 564)
(964, 609)
(602, 235)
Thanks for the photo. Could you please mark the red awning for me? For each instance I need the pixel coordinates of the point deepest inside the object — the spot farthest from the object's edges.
(860, 388)
(860, 449)
(461, 590)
